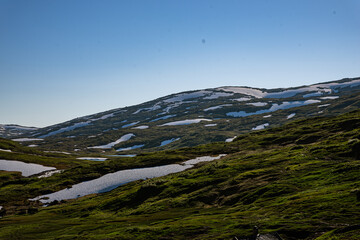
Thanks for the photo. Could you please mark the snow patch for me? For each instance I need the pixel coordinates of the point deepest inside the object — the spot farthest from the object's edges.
(267, 116)
(260, 127)
(49, 173)
(130, 148)
(124, 138)
(66, 129)
(5, 150)
(258, 104)
(211, 125)
(243, 99)
(162, 118)
(274, 107)
(130, 124)
(324, 105)
(230, 139)
(216, 95)
(166, 142)
(246, 91)
(184, 96)
(312, 94)
(329, 97)
(291, 116)
(141, 127)
(217, 107)
(27, 139)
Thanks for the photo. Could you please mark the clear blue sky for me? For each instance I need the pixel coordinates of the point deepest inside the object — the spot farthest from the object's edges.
(61, 59)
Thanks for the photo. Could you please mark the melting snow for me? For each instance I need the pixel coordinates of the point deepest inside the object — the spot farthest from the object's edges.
(185, 122)
(312, 94)
(267, 116)
(291, 115)
(258, 104)
(262, 126)
(153, 108)
(162, 118)
(27, 139)
(130, 124)
(27, 169)
(246, 91)
(329, 97)
(141, 127)
(217, 107)
(111, 181)
(230, 139)
(324, 105)
(112, 144)
(211, 125)
(184, 96)
(130, 148)
(243, 99)
(216, 95)
(66, 129)
(166, 142)
(274, 107)
(5, 150)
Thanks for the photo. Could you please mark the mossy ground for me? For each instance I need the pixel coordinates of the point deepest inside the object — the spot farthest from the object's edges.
(300, 180)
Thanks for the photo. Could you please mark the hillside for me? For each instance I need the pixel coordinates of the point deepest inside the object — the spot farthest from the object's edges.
(300, 180)
(196, 117)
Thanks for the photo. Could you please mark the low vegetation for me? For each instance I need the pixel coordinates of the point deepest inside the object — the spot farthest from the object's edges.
(301, 181)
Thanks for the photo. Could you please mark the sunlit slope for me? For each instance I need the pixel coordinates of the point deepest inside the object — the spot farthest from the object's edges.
(196, 117)
(300, 180)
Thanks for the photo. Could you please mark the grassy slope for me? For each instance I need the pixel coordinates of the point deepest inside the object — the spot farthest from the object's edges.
(299, 180)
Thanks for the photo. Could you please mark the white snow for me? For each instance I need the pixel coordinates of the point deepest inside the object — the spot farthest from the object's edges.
(312, 94)
(324, 105)
(216, 95)
(66, 129)
(185, 122)
(246, 91)
(258, 104)
(26, 169)
(124, 138)
(274, 107)
(5, 150)
(27, 139)
(130, 148)
(217, 107)
(130, 124)
(162, 118)
(267, 116)
(103, 117)
(262, 126)
(210, 125)
(184, 96)
(166, 142)
(291, 115)
(141, 127)
(230, 139)
(33, 145)
(243, 99)
(153, 108)
(111, 181)
(329, 97)
(92, 158)
(318, 88)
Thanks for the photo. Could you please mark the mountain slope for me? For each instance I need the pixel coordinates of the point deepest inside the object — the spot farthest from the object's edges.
(300, 180)
(197, 117)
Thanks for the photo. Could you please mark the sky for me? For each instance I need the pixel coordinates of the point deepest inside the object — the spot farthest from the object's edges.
(63, 59)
